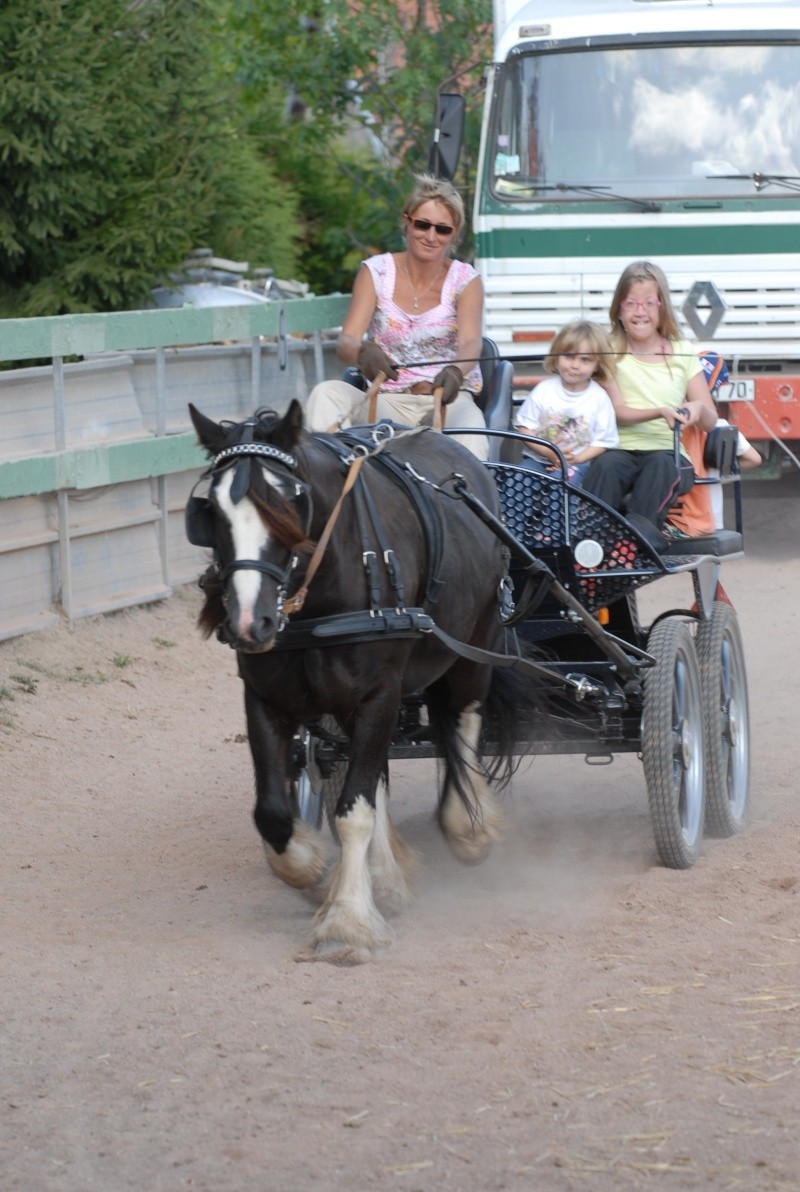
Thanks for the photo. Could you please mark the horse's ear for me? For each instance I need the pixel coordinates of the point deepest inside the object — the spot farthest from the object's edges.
(290, 427)
(210, 433)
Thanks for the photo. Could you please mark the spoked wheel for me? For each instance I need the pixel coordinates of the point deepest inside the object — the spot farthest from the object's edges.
(321, 772)
(727, 713)
(673, 744)
(307, 800)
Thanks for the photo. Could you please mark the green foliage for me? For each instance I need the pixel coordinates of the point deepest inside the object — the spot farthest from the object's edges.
(119, 153)
(282, 132)
(343, 97)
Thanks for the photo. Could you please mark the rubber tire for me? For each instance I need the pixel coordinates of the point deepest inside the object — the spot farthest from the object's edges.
(727, 712)
(673, 745)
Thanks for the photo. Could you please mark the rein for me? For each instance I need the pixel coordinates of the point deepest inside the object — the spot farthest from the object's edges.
(293, 604)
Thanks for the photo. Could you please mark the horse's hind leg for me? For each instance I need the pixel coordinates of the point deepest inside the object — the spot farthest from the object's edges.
(470, 819)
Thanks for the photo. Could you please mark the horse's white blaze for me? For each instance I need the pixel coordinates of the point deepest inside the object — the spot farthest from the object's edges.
(471, 839)
(250, 537)
(349, 914)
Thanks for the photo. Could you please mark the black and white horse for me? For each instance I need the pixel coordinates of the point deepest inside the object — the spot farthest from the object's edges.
(272, 489)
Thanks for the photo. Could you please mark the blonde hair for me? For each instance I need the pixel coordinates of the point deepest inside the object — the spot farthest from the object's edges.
(586, 337)
(439, 190)
(667, 320)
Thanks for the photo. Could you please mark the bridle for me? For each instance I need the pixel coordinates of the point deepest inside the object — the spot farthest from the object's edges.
(200, 510)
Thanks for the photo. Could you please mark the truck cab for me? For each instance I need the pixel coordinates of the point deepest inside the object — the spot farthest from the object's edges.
(666, 130)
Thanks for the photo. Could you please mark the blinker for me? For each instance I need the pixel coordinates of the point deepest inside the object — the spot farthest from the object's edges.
(199, 520)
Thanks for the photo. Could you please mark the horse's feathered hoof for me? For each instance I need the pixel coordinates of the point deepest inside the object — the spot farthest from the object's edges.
(469, 839)
(302, 863)
(348, 924)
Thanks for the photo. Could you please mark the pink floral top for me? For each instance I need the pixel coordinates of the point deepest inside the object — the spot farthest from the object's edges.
(430, 335)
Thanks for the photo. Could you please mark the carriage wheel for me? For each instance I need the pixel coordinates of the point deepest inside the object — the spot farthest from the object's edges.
(319, 782)
(673, 745)
(307, 800)
(724, 682)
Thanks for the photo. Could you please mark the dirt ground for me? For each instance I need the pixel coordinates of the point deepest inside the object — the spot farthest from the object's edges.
(568, 1015)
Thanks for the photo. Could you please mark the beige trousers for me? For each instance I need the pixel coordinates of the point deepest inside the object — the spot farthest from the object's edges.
(334, 404)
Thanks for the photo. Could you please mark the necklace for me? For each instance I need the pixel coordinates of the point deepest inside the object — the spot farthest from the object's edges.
(417, 298)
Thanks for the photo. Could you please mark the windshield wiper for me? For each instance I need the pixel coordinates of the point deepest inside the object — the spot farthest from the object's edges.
(759, 180)
(601, 192)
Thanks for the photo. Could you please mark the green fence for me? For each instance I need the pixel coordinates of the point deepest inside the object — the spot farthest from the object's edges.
(96, 449)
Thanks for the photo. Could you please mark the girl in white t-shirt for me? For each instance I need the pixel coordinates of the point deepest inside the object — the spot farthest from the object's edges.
(571, 409)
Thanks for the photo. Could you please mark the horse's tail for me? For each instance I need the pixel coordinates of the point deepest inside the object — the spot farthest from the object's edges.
(512, 707)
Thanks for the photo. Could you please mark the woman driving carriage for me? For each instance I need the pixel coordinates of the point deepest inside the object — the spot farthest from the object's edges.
(420, 308)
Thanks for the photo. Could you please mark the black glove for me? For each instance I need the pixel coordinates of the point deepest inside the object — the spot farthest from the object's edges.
(449, 381)
(373, 360)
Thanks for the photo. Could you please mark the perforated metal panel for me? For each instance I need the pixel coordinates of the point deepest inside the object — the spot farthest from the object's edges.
(551, 518)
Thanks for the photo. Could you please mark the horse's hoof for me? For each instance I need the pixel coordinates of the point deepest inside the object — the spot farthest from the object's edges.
(472, 840)
(302, 863)
(472, 849)
(348, 956)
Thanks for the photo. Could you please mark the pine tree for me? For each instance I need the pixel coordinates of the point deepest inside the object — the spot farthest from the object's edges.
(120, 151)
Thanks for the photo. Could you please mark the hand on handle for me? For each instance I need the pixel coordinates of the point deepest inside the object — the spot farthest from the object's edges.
(373, 360)
(449, 380)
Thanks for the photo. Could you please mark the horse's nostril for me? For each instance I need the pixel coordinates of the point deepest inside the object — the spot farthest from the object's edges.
(262, 630)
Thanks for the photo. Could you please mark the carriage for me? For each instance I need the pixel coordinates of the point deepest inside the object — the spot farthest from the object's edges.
(576, 670)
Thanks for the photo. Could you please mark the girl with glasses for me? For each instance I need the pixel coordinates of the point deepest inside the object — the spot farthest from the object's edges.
(659, 382)
(411, 313)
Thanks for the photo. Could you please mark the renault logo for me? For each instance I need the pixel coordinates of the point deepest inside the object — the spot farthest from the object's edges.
(703, 309)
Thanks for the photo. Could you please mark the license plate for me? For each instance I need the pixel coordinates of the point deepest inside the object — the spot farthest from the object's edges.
(737, 390)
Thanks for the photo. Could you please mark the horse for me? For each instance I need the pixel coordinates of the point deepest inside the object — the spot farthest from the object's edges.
(395, 553)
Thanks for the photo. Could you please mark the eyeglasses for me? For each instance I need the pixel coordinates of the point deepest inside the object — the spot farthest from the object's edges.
(647, 304)
(425, 225)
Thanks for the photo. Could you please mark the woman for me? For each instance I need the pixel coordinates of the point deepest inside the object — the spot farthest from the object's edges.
(659, 382)
(420, 309)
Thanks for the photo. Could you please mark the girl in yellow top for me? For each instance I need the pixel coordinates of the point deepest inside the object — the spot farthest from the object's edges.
(657, 375)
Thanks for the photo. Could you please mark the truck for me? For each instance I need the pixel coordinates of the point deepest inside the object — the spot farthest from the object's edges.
(666, 130)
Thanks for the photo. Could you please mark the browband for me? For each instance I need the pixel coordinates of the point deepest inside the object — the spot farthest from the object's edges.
(263, 449)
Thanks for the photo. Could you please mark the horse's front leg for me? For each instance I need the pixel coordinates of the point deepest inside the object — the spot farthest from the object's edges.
(349, 917)
(294, 850)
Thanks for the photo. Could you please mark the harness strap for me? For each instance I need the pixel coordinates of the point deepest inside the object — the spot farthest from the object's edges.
(391, 563)
(389, 624)
(295, 603)
(281, 574)
(369, 558)
(429, 517)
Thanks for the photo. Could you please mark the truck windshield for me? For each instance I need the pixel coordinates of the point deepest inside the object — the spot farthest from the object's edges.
(650, 122)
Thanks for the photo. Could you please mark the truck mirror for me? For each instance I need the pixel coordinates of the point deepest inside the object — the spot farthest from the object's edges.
(448, 134)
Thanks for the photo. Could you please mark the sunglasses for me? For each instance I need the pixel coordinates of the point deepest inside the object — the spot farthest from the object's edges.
(635, 303)
(425, 225)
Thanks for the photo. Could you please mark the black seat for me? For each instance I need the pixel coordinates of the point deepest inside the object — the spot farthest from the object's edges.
(496, 397)
(494, 400)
